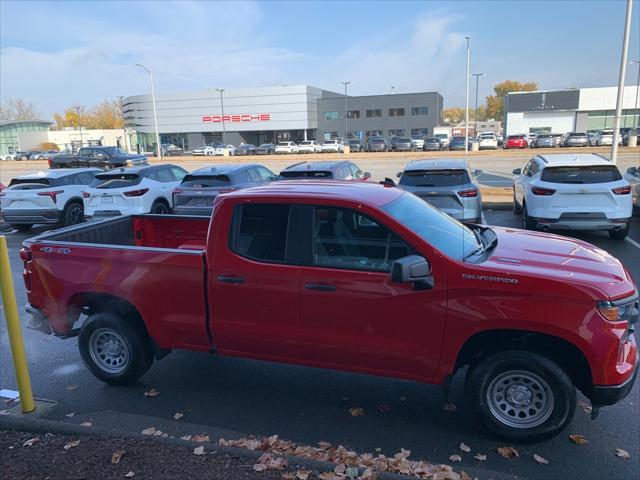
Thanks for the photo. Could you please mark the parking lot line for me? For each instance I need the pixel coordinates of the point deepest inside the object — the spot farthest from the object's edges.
(633, 242)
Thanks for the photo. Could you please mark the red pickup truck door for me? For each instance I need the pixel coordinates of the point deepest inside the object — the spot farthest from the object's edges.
(353, 316)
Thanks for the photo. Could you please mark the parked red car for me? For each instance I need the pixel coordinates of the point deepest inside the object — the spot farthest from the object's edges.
(516, 141)
(351, 276)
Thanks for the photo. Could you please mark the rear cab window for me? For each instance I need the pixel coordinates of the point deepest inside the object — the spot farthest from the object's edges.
(582, 174)
(435, 178)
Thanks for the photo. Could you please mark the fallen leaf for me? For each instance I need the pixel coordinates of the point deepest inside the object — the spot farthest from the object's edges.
(455, 458)
(356, 411)
(152, 393)
(71, 388)
(288, 476)
(72, 414)
(149, 431)
(479, 456)
(86, 424)
(622, 453)
(578, 439)
(72, 444)
(31, 441)
(185, 437)
(302, 474)
(508, 452)
(341, 468)
(200, 438)
(130, 474)
(449, 407)
(199, 450)
(324, 445)
(352, 473)
(117, 455)
(178, 415)
(327, 476)
(382, 408)
(585, 406)
(540, 460)
(259, 467)
(464, 447)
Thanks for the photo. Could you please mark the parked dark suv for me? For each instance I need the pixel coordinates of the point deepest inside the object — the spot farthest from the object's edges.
(377, 144)
(101, 157)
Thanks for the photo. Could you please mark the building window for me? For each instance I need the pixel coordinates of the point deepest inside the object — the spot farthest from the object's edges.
(397, 132)
(419, 111)
(355, 135)
(375, 113)
(422, 132)
(396, 112)
(353, 114)
(331, 115)
(374, 133)
(331, 135)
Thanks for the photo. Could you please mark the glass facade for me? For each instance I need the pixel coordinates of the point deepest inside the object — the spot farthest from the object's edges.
(599, 119)
(331, 115)
(396, 132)
(9, 131)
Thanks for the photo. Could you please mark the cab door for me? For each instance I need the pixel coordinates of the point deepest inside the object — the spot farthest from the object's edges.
(352, 315)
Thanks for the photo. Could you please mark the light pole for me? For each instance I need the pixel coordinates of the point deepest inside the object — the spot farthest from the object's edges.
(345, 109)
(77, 107)
(224, 128)
(623, 68)
(466, 109)
(124, 128)
(155, 114)
(636, 113)
(475, 126)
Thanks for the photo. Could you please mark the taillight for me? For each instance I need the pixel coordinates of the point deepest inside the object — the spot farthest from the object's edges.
(86, 195)
(542, 191)
(136, 193)
(177, 190)
(49, 162)
(472, 192)
(51, 195)
(25, 254)
(622, 190)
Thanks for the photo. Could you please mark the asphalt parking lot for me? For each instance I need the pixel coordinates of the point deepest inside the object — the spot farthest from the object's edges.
(227, 396)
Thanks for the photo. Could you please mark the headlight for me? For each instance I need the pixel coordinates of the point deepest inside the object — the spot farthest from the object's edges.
(623, 310)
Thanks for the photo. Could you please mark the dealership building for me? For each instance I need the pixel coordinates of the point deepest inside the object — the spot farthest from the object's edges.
(573, 110)
(273, 114)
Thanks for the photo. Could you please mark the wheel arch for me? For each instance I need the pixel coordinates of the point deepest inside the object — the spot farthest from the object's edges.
(568, 356)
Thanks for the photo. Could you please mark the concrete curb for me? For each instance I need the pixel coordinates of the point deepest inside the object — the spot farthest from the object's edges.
(61, 428)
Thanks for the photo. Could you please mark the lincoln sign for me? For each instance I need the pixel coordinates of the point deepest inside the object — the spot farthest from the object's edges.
(243, 118)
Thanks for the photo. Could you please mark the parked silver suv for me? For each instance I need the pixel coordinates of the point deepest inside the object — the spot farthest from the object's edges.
(446, 184)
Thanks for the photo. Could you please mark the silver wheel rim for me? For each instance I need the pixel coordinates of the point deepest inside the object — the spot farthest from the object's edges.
(109, 350)
(520, 399)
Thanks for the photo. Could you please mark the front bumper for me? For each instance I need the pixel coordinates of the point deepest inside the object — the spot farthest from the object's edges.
(602, 395)
(31, 216)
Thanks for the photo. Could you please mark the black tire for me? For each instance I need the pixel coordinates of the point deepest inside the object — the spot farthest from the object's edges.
(117, 368)
(546, 393)
(73, 214)
(159, 207)
(22, 227)
(517, 209)
(527, 222)
(619, 234)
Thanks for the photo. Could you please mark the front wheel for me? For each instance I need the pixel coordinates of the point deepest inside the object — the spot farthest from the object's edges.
(521, 396)
(114, 350)
(527, 222)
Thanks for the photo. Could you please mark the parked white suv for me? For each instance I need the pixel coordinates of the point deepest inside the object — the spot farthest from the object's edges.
(604, 137)
(51, 196)
(333, 146)
(573, 192)
(286, 147)
(219, 149)
(129, 191)
(204, 150)
(487, 140)
(308, 146)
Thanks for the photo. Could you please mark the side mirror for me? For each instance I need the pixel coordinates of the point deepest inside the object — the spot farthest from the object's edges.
(632, 170)
(366, 176)
(517, 171)
(399, 174)
(477, 172)
(412, 269)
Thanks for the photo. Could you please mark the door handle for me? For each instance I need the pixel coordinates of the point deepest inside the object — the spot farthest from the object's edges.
(323, 287)
(230, 279)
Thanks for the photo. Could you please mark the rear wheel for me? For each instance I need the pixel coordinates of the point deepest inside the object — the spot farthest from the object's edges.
(619, 234)
(159, 208)
(73, 214)
(114, 350)
(527, 222)
(521, 396)
(517, 210)
(22, 227)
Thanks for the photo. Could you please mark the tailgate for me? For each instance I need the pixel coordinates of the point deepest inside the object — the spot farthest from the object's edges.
(26, 200)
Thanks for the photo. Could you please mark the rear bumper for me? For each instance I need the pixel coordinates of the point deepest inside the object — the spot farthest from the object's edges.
(31, 216)
(609, 394)
(587, 224)
(37, 320)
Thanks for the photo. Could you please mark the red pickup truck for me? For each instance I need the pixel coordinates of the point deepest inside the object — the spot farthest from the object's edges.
(349, 276)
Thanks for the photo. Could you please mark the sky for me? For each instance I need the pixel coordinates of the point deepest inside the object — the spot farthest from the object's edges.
(56, 54)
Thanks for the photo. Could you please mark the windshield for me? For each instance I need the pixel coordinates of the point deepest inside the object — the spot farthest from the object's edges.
(441, 135)
(118, 180)
(582, 174)
(435, 227)
(433, 140)
(435, 178)
(283, 144)
(307, 174)
(305, 143)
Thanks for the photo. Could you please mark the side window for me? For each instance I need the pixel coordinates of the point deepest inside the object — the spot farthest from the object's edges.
(534, 168)
(178, 173)
(260, 231)
(527, 169)
(344, 238)
(86, 152)
(253, 176)
(84, 178)
(344, 173)
(164, 175)
(265, 175)
(355, 171)
(153, 174)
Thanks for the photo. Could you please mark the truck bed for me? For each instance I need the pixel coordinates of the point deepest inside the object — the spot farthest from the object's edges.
(150, 231)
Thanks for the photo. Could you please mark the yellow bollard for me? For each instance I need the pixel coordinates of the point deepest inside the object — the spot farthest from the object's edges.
(15, 333)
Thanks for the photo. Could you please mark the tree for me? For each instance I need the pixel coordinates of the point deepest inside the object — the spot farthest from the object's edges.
(18, 110)
(105, 115)
(453, 115)
(495, 103)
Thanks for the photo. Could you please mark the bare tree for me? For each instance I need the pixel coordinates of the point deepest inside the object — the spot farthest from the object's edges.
(17, 110)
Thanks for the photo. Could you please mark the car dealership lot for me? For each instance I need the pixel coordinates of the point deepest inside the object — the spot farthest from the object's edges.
(312, 405)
